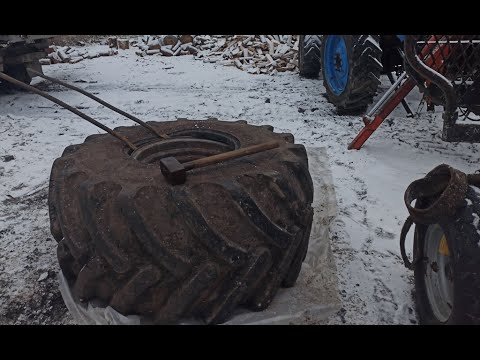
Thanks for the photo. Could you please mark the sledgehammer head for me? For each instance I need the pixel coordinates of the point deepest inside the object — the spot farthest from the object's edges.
(173, 170)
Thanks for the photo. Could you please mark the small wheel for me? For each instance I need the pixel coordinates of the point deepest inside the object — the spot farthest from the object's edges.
(447, 285)
(438, 273)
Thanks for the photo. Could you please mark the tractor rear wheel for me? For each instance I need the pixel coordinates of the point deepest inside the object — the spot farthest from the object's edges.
(351, 66)
(309, 59)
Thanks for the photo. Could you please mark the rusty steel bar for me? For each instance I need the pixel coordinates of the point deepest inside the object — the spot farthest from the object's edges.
(68, 107)
(104, 103)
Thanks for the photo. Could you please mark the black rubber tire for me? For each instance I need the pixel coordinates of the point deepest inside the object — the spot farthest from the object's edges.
(18, 72)
(309, 59)
(463, 237)
(232, 235)
(365, 68)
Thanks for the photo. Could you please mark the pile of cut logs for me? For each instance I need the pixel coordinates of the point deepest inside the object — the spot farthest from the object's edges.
(256, 54)
(72, 55)
(166, 45)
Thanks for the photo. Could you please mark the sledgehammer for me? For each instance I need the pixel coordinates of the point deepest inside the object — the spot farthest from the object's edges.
(176, 172)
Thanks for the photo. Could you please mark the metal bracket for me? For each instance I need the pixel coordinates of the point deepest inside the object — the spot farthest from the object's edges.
(442, 49)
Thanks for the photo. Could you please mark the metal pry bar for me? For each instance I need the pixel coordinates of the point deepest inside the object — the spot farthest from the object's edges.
(104, 103)
(68, 107)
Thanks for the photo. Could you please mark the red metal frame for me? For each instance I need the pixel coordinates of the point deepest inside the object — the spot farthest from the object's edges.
(403, 90)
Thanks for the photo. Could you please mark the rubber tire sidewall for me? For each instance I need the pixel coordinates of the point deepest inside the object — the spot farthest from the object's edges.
(459, 248)
(301, 53)
(423, 307)
(306, 66)
(365, 69)
(18, 72)
(343, 97)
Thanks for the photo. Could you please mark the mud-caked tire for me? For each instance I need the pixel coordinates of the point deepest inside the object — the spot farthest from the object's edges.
(18, 72)
(231, 235)
(457, 243)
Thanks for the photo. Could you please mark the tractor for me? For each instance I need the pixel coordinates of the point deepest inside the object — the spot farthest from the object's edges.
(445, 68)
(19, 52)
(350, 66)
(445, 204)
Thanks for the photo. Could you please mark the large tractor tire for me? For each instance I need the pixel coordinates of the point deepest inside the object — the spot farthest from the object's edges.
(20, 73)
(232, 235)
(447, 281)
(351, 66)
(309, 59)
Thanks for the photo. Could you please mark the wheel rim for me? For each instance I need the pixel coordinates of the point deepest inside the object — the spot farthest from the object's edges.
(335, 62)
(185, 145)
(438, 274)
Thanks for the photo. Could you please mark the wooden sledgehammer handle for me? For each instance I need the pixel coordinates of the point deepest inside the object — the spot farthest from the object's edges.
(215, 159)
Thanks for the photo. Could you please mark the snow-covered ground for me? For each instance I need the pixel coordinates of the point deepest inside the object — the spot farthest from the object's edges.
(374, 286)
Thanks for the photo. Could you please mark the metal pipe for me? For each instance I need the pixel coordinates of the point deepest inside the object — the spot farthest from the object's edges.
(104, 103)
(10, 79)
(404, 103)
(430, 74)
(387, 95)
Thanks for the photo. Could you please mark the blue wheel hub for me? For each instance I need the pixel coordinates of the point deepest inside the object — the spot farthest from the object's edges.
(335, 62)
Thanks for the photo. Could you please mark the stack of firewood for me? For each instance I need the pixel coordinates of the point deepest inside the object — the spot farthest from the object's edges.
(256, 54)
(166, 45)
(72, 55)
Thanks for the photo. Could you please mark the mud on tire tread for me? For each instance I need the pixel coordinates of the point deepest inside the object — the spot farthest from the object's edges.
(365, 66)
(309, 55)
(142, 246)
(463, 239)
